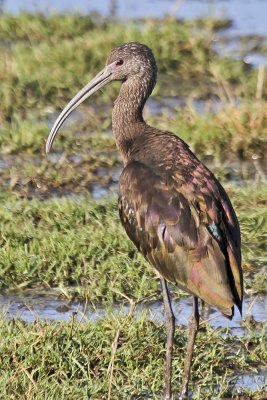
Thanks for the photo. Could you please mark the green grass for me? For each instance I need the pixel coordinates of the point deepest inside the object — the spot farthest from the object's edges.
(77, 244)
(73, 361)
(80, 243)
(64, 242)
(240, 130)
(46, 60)
(43, 62)
(236, 130)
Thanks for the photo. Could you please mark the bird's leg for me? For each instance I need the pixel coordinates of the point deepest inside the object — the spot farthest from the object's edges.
(193, 328)
(170, 327)
(205, 310)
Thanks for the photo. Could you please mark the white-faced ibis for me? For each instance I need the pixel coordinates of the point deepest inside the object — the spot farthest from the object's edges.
(172, 207)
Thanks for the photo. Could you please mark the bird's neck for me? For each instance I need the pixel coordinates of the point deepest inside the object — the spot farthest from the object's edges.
(127, 116)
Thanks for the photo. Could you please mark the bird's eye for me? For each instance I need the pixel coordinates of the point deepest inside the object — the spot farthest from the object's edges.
(119, 62)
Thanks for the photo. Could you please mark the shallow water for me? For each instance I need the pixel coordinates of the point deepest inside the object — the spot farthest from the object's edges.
(244, 174)
(77, 117)
(252, 381)
(32, 305)
(247, 173)
(249, 16)
(170, 105)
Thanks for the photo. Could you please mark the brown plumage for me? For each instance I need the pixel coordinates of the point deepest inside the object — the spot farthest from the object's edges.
(180, 218)
(172, 207)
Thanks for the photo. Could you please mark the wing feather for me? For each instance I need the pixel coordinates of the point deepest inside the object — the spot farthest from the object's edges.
(187, 231)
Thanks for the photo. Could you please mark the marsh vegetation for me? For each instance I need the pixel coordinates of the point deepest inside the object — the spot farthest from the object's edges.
(55, 234)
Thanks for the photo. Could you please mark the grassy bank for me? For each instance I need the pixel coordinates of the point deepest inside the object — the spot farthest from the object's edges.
(46, 60)
(80, 243)
(77, 361)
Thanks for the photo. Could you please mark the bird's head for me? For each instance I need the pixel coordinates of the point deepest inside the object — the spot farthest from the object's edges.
(127, 61)
(131, 60)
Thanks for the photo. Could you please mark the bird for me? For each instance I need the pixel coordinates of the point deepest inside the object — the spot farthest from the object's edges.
(172, 207)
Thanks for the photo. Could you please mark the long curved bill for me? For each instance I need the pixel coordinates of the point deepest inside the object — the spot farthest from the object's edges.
(96, 83)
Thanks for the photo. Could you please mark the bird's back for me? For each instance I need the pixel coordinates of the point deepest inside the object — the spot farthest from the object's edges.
(181, 219)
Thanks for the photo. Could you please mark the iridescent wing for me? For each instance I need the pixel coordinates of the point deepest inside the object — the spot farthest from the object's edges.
(188, 231)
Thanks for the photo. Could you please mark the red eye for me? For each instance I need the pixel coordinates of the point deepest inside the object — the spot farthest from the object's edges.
(119, 62)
